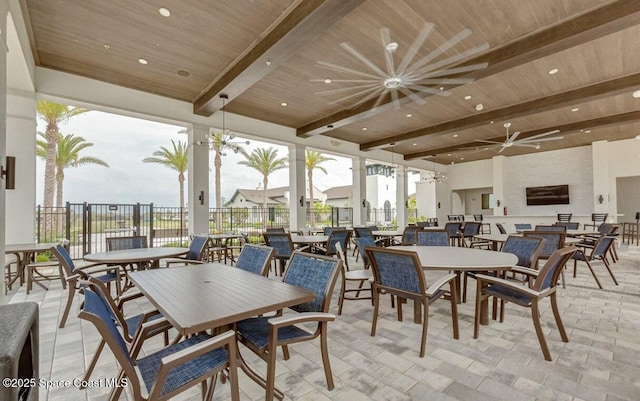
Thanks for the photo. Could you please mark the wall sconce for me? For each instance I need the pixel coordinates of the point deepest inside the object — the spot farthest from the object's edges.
(438, 205)
(301, 201)
(364, 202)
(201, 197)
(498, 203)
(600, 199)
(8, 172)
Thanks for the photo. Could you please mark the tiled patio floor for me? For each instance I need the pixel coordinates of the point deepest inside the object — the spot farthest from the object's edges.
(600, 363)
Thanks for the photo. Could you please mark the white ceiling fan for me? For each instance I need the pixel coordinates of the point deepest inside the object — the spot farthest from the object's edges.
(529, 142)
(415, 80)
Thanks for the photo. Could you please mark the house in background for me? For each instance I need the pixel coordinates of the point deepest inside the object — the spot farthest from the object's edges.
(339, 196)
(275, 196)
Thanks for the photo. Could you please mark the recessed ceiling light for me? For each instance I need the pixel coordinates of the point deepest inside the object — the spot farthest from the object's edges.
(415, 144)
(479, 107)
(636, 94)
(575, 109)
(183, 73)
(143, 61)
(284, 104)
(467, 97)
(409, 115)
(462, 158)
(164, 12)
(491, 122)
(448, 154)
(441, 88)
(553, 71)
(107, 47)
(392, 47)
(327, 81)
(268, 62)
(364, 128)
(455, 135)
(587, 131)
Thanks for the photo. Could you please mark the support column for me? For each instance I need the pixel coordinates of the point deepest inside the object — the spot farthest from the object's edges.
(499, 182)
(426, 198)
(198, 180)
(297, 188)
(401, 197)
(359, 188)
(601, 181)
(3, 131)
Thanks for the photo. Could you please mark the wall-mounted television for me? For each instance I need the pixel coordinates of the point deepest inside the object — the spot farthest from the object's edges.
(549, 195)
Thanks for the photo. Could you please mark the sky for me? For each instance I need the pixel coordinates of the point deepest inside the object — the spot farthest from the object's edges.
(123, 142)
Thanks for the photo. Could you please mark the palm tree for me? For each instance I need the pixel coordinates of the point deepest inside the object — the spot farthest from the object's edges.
(266, 161)
(176, 159)
(220, 144)
(68, 155)
(53, 114)
(313, 160)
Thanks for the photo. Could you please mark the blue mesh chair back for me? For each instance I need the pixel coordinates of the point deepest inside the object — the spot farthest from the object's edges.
(410, 235)
(276, 230)
(550, 272)
(196, 247)
(552, 241)
(471, 228)
(363, 232)
(433, 238)
(362, 243)
(97, 306)
(477, 217)
(134, 242)
(602, 246)
(341, 236)
(396, 270)
(328, 230)
(527, 249)
(559, 228)
(374, 228)
(313, 273)
(501, 228)
(452, 229)
(255, 258)
(570, 225)
(523, 226)
(65, 259)
(281, 242)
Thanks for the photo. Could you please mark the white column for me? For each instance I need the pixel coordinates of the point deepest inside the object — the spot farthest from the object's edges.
(426, 198)
(3, 131)
(359, 188)
(401, 197)
(499, 180)
(601, 180)
(297, 185)
(198, 180)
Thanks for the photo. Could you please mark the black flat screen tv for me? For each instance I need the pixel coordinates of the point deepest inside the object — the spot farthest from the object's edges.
(549, 195)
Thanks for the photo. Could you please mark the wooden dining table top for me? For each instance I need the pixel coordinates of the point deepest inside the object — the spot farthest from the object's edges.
(201, 297)
(309, 239)
(29, 247)
(461, 259)
(135, 255)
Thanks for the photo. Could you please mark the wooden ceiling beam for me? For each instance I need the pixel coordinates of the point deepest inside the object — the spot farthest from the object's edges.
(584, 28)
(303, 24)
(565, 129)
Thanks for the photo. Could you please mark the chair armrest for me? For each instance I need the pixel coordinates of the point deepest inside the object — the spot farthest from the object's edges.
(303, 317)
(506, 283)
(436, 285)
(525, 270)
(90, 269)
(127, 296)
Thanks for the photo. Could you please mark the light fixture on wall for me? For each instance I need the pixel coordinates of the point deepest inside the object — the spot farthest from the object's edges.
(225, 140)
(301, 200)
(600, 199)
(498, 203)
(364, 202)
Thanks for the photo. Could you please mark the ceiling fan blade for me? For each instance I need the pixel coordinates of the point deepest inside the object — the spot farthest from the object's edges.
(426, 89)
(441, 49)
(454, 59)
(422, 36)
(413, 96)
(485, 141)
(555, 131)
(368, 97)
(555, 138)
(445, 81)
(526, 145)
(379, 99)
(359, 93)
(345, 89)
(363, 59)
(339, 68)
(514, 136)
(348, 81)
(456, 70)
(388, 56)
(396, 102)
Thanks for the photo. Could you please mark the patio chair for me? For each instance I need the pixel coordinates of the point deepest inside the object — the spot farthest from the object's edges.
(50, 270)
(598, 251)
(360, 277)
(72, 275)
(596, 220)
(275, 230)
(453, 229)
(171, 370)
(522, 226)
(283, 246)
(409, 236)
(263, 335)
(196, 254)
(132, 242)
(553, 240)
(564, 217)
(560, 228)
(131, 327)
(543, 285)
(501, 228)
(570, 225)
(337, 236)
(399, 273)
(10, 276)
(364, 232)
(433, 238)
(255, 259)
(327, 230)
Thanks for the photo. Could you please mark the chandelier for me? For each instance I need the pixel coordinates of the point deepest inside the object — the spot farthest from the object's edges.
(226, 139)
(435, 176)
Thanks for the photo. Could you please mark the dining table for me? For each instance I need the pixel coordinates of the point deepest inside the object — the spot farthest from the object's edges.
(309, 239)
(460, 260)
(25, 253)
(215, 296)
(136, 256)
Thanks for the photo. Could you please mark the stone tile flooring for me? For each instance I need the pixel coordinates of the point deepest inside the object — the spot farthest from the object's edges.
(600, 363)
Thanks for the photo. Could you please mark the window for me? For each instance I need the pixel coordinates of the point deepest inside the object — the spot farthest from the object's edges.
(387, 211)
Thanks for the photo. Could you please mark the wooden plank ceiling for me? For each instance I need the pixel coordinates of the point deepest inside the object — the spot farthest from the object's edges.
(263, 54)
